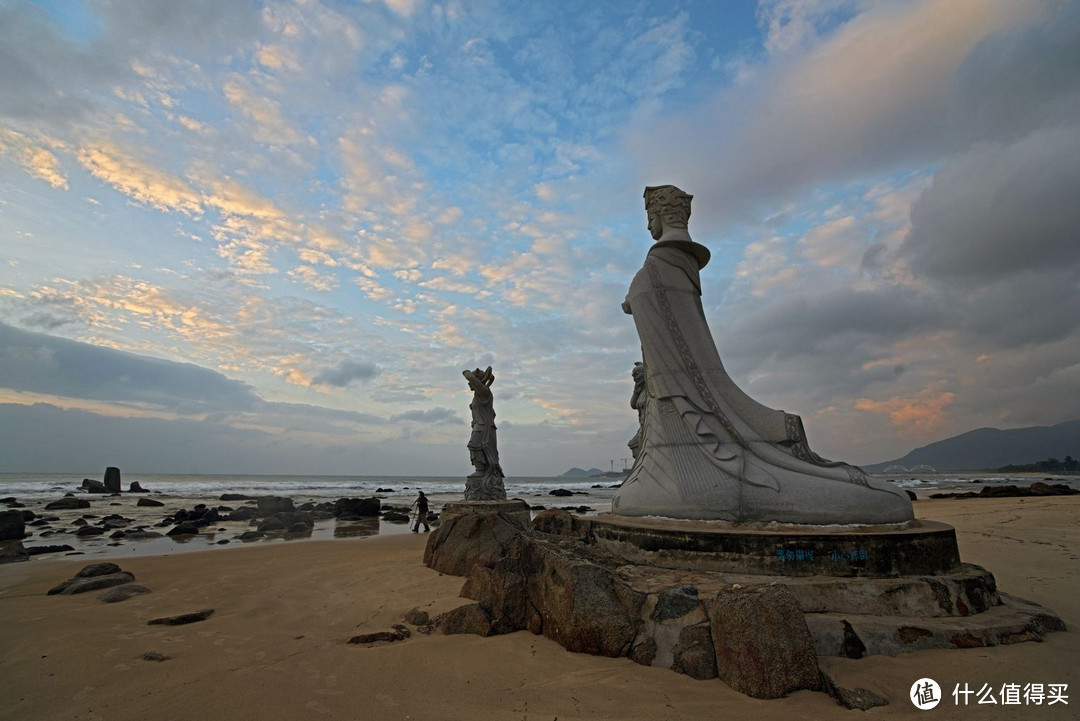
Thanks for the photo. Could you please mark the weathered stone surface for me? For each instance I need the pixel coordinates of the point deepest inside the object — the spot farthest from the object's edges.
(558, 522)
(123, 593)
(269, 505)
(763, 646)
(862, 699)
(141, 535)
(235, 497)
(13, 552)
(90, 531)
(251, 536)
(466, 540)
(149, 502)
(465, 619)
(353, 508)
(243, 514)
(155, 656)
(112, 479)
(185, 528)
(395, 517)
(417, 617)
(580, 604)
(271, 524)
(134, 487)
(694, 654)
(182, 619)
(38, 550)
(67, 503)
(76, 585)
(98, 569)
(12, 525)
(91, 486)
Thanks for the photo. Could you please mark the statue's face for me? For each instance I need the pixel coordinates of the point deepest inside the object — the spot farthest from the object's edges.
(656, 226)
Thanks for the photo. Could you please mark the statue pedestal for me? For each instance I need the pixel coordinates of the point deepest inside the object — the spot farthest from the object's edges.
(515, 508)
(919, 548)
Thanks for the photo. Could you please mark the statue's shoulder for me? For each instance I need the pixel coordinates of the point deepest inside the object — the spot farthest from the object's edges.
(698, 251)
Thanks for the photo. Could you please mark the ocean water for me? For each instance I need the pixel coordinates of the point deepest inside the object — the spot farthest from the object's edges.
(590, 495)
(398, 490)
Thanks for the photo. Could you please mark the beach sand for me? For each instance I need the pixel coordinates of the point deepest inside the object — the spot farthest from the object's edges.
(275, 646)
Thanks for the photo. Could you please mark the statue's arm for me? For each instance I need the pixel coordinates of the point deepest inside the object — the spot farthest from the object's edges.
(626, 306)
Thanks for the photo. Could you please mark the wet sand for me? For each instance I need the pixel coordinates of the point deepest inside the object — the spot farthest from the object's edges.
(275, 647)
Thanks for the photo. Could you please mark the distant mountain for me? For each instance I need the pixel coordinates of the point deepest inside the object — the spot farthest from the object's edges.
(582, 473)
(987, 449)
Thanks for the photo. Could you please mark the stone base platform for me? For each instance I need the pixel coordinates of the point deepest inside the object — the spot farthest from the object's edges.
(629, 589)
(919, 547)
(515, 508)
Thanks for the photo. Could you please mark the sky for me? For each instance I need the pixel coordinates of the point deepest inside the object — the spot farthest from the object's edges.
(267, 237)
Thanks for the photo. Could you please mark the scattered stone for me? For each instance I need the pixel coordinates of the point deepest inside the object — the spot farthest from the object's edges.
(185, 528)
(250, 535)
(91, 486)
(353, 508)
(271, 524)
(67, 503)
(38, 550)
(385, 490)
(155, 656)
(398, 633)
(76, 585)
(417, 617)
(235, 497)
(13, 552)
(243, 514)
(112, 479)
(149, 502)
(141, 535)
(426, 630)
(12, 525)
(123, 593)
(560, 492)
(182, 619)
(97, 569)
(860, 698)
(90, 531)
(136, 488)
(395, 517)
(470, 618)
(911, 494)
(269, 505)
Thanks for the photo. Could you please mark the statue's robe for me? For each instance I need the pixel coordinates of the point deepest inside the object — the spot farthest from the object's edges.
(710, 451)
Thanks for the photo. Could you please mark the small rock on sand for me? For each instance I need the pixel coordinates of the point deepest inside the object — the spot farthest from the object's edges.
(123, 593)
(182, 619)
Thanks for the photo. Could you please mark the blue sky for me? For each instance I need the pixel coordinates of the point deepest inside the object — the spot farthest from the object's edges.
(280, 230)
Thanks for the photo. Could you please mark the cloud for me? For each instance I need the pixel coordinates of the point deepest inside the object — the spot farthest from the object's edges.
(840, 107)
(35, 159)
(346, 373)
(38, 363)
(139, 180)
(438, 416)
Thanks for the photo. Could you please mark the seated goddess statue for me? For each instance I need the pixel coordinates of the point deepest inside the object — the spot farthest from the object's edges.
(706, 449)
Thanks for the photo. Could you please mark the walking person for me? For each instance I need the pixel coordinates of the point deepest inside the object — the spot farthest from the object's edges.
(421, 506)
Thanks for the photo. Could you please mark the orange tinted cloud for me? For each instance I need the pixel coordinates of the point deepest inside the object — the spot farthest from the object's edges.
(917, 413)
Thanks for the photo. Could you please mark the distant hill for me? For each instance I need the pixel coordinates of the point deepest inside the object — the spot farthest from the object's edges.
(987, 449)
(582, 473)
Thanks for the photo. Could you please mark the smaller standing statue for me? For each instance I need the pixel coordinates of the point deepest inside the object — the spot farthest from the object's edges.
(637, 402)
(486, 483)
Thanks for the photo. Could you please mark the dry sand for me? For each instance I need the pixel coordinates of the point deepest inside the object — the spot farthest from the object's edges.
(275, 646)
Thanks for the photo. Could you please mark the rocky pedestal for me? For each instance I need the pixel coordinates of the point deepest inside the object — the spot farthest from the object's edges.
(760, 632)
(516, 508)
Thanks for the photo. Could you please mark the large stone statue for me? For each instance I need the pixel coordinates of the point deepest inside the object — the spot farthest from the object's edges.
(707, 449)
(486, 483)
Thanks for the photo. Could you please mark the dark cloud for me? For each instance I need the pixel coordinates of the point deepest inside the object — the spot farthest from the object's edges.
(40, 363)
(1000, 210)
(346, 372)
(441, 416)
